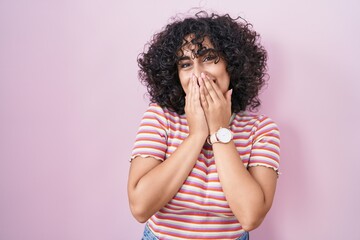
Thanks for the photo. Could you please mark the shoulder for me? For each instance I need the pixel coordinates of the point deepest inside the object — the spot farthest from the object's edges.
(257, 123)
(155, 109)
(253, 119)
(163, 112)
(163, 115)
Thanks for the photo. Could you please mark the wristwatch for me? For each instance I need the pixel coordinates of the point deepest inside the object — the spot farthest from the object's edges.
(223, 135)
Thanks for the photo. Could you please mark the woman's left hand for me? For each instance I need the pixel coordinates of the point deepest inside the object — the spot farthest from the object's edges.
(216, 105)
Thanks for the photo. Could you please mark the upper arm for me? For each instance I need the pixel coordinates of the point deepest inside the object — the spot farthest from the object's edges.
(265, 157)
(267, 179)
(150, 144)
(139, 167)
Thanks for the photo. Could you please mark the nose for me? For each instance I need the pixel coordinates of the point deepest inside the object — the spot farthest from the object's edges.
(198, 69)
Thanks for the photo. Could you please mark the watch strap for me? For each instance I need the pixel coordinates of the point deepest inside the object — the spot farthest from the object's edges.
(213, 138)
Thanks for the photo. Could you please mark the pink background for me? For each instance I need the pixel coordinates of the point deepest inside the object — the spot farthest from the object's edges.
(70, 105)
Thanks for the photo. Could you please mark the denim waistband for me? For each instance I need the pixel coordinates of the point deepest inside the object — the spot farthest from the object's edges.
(149, 235)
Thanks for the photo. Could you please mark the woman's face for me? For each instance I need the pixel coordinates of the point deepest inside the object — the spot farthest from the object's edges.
(204, 61)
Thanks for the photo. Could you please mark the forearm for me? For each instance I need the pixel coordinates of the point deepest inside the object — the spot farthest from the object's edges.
(244, 195)
(158, 186)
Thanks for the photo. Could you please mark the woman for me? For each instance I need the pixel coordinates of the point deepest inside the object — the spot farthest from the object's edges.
(202, 167)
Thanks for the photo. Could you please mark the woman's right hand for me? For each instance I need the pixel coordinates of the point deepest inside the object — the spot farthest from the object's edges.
(194, 112)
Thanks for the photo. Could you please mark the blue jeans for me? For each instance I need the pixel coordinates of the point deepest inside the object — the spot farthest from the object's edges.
(149, 235)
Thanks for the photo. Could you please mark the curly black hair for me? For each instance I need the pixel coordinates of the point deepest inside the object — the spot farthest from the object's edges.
(233, 40)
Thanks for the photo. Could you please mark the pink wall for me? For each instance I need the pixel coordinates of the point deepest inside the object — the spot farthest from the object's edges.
(70, 104)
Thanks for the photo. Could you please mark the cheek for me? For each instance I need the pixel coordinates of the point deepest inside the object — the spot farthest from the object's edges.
(184, 83)
(224, 83)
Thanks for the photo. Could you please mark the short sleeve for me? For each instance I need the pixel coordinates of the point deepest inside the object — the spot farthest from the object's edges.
(151, 137)
(266, 145)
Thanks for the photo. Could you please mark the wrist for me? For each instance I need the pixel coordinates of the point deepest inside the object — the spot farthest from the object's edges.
(213, 130)
(222, 135)
(198, 136)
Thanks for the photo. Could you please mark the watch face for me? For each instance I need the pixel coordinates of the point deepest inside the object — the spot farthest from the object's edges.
(224, 135)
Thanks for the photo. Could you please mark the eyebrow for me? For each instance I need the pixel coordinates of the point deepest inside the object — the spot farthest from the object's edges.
(199, 53)
(183, 58)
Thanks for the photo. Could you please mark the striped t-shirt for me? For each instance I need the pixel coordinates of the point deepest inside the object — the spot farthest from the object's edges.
(199, 210)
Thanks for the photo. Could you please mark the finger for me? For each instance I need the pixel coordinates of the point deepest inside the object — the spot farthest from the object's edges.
(206, 91)
(189, 92)
(209, 84)
(203, 93)
(204, 102)
(214, 86)
(189, 87)
(196, 94)
(194, 85)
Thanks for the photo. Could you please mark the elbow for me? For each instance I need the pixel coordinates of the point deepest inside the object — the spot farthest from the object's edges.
(139, 214)
(249, 226)
(251, 223)
(252, 218)
(140, 219)
(137, 208)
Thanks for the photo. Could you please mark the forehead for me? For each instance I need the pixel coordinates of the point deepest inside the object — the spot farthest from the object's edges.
(189, 46)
